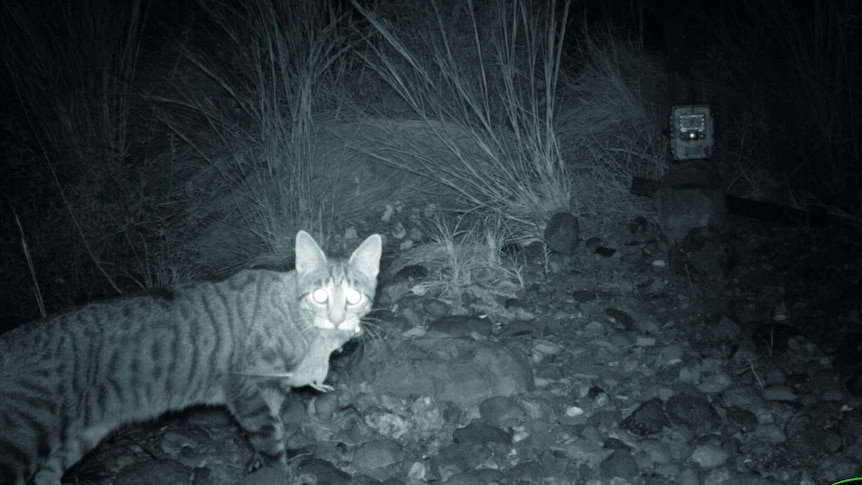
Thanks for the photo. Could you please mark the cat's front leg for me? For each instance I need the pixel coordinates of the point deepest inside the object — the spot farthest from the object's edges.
(258, 411)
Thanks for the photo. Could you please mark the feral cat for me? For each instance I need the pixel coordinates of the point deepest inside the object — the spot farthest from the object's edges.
(67, 382)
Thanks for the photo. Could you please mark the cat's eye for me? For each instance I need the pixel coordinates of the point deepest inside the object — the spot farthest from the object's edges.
(320, 296)
(354, 297)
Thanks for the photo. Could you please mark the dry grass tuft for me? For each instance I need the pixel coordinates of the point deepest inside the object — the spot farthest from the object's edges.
(485, 85)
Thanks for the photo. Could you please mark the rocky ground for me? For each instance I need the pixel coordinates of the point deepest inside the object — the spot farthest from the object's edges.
(626, 367)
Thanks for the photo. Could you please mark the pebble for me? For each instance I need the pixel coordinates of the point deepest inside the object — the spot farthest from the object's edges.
(726, 329)
(779, 393)
(719, 476)
(715, 383)
(479, 432)
(501, 411)
(483, 476)
(621, 464)
(547, 347)
(377, 454)
(709, 456)
(645, 342)
(648, 419)
(537, 408)
(461, 325)
(574, 411)
(671, 355)
(656, 451)
(436, 308)
(770, 432)
(168, 472)
(693, 411)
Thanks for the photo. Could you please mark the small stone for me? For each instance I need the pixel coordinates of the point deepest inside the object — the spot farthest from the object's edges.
(645, 342)
(780, 393)
(538, 408)
(646, 420)
(657, 451)
(671, 355)
(478, 432)
(833, 395)
(771, 433)
(709, 456)
(715, 383)
(574, 411)
(518, 327)
(501, 411)
(461, 325)
(583, 296)
(721, 476)
(726, 329)
(436, 308)
(605, 252)
(377, 454)
(562, 232)
(593, 243)
(693, 411)
(741, 418)
(626, 320)
(621, 464)
(547, 347)
(168, 472)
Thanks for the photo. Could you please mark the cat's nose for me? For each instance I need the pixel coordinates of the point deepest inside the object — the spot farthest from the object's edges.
(336, 315)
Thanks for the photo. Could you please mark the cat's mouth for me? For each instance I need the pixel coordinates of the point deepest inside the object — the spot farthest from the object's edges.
(346, 326)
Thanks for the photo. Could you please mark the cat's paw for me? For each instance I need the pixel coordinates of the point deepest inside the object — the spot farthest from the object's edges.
(322, 387)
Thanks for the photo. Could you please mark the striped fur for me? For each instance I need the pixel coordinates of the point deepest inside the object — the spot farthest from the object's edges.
(67, 382)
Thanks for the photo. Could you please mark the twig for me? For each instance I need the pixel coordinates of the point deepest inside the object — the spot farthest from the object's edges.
(39, 301)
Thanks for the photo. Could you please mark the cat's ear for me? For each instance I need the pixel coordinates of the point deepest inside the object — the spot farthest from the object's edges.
(309, 256)
(366, 258)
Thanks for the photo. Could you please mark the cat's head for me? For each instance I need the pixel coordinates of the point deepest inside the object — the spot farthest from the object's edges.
(338, 292)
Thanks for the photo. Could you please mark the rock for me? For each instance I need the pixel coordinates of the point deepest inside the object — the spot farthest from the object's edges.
(479, 432)
(621, 317)
(837, 467)
(584, 296)
(562, 232)
(770, 433)
(377, 454)
(461, 325)
(538, 408)
(519, 327)
(780, 393)
(693, 411)
(436, 308)
(455, 459)
(726, 329)
(409, 273)
(740, 419)
(320, 471)
(167, 472)
(709, 456)
(482, 476)
(648, 419)
(501, 411)
(464, 371)
(621, 464)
